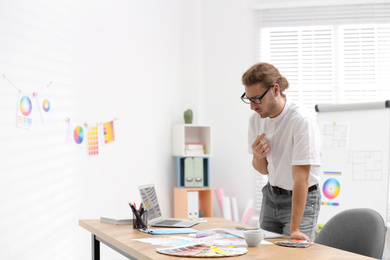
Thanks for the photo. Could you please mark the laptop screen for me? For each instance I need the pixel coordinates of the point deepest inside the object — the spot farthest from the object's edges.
(148, 195)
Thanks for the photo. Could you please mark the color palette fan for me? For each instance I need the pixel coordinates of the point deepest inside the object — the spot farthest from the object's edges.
(203, 250)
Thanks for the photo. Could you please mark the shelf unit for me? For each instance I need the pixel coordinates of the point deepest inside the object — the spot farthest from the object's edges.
(180, 201)
(189, 133)
(183, 133)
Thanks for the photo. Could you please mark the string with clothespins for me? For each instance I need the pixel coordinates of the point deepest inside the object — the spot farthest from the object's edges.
(19, 90)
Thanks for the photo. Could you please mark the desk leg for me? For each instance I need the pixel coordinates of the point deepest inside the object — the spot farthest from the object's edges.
(95, 248)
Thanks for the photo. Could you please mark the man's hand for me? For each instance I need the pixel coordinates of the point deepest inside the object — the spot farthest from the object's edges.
(299, 235)
(260, 147)
(260, 150)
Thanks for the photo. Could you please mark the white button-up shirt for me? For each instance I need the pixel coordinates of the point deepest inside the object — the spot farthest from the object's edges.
(294, 139)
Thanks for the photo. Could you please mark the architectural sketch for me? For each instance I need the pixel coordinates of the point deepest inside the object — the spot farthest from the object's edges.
(366, 165)
(335, 135)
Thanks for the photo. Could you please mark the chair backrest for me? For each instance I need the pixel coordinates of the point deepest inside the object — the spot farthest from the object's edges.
(360, 231)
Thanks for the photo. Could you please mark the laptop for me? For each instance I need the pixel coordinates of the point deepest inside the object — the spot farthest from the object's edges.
(148, 195)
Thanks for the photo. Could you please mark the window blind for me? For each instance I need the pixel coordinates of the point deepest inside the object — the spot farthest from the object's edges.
(329, 54)
(332, 54)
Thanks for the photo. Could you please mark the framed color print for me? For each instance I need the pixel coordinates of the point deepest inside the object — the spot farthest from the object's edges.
(24, 110)
(46, 106)
(76, 134)
(107, 132)
(331, 188)
(93, 141)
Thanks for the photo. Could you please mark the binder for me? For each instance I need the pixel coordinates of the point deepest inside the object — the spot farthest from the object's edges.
(192, 204)
(198, 172)
(189, 180)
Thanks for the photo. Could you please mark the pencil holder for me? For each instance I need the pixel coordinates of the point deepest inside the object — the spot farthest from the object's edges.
(144, 217)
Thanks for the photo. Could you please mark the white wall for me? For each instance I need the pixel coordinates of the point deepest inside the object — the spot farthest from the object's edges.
(106, 59)
(228, 53)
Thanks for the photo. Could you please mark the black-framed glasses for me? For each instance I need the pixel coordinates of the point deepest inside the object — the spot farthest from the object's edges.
(254, 100)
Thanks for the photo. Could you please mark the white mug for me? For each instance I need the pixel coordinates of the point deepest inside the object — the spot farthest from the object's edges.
(253, 237)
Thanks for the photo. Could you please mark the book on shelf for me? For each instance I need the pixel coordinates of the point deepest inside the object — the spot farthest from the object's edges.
(194, 145)
(194, 148)
(117, 221)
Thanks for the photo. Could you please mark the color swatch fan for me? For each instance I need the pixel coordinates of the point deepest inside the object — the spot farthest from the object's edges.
(25, 109)
(203, 250)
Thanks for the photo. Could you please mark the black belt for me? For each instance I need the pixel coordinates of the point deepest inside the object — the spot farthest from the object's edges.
(280, 191)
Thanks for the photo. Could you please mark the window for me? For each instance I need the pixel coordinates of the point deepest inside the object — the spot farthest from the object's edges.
(334, 54)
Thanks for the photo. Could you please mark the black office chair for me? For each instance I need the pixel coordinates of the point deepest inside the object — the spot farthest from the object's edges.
(360, 231)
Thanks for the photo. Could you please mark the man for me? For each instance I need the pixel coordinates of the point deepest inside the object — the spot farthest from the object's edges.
(285, 143)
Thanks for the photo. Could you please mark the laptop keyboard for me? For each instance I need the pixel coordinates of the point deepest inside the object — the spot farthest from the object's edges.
(168, 222)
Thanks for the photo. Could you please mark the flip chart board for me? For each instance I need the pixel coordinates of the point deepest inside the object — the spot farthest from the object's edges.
(355, 157)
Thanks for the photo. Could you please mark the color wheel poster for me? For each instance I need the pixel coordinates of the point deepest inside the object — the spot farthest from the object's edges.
(76, 134)
(45, 106)
(25, 110)
(331, 188)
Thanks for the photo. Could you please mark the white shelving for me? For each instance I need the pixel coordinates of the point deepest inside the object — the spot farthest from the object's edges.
(183, 133)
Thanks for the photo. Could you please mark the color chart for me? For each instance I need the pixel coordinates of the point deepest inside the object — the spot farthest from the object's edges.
(93, 141)
(331, 188)
(25, 109)
(108, 132)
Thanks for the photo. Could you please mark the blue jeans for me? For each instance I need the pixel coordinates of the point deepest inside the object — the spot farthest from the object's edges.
(275, 213)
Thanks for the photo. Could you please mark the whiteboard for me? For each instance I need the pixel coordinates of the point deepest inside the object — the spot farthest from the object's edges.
(355, 154)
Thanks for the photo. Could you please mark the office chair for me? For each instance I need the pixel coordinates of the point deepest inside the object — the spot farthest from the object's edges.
(360, 231)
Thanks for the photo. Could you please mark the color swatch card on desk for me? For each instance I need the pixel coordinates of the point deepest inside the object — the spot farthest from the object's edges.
(294, 243)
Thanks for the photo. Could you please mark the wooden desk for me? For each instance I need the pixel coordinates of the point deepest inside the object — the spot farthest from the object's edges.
(120, 238)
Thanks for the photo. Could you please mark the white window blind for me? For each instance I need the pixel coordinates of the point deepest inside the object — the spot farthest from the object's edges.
(333, 54)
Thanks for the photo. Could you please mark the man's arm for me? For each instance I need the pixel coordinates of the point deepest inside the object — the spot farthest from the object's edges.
(300, 174)
(260, 150)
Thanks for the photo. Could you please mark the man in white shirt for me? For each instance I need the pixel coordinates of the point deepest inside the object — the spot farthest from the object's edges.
(286, 146)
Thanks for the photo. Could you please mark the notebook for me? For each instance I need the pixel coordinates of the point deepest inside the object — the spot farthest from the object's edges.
(148, 194)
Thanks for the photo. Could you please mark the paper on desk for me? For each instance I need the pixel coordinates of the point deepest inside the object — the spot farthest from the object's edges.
(235, 242)
(167, 240)
(168, 231)
(240, 233)
(271, 234)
